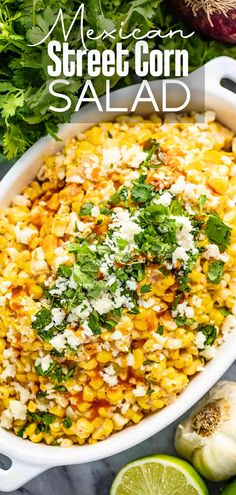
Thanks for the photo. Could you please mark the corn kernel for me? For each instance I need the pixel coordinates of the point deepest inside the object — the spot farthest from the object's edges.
(115, 395)
(138, 358)
(104, 430)
(104, 357)
(36, 437)
(58, 411)
(32, 407)
(88, 394)
(89, 365)
(83, 428)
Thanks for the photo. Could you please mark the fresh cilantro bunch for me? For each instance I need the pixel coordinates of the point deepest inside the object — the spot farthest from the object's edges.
(24, 82)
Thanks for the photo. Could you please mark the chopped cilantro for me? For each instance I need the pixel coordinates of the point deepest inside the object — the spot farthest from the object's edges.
(48, 418)
(210, 333)
(176, 301)
(69, 374)
(41, 394)
(164, 271)
(160, 330)
(121, 274)
(154, 156)
(56, 353)
(94, 323)
(150, 390)
(155, 213)
(121, 243)
(141, 192)
(21, 430)
(42, 319)
(64, 271)
(105, 211)
(43, 420)
(89, 266)
(146, 288)
(96, 289)
(202, 201)
(184, 281)
(120, 196)
(224, 311)
(136, 270)
(215, 271)
(60, 388)
(85, 209)
(176, 207)
(67, 422)
(83, 279)
(109, 323)
(117, 312)
(55, 372)
(47, 372)
(218, 232)
(183, 320)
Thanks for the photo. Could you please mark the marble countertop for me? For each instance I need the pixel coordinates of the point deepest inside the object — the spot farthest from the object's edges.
(96, 478)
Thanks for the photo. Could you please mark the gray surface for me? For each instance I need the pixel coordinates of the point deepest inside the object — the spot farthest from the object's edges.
(95, 478)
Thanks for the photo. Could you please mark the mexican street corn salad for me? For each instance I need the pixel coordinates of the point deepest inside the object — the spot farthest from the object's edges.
(118, 276)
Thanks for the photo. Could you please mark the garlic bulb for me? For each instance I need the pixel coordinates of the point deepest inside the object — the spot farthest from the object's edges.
(208, 437)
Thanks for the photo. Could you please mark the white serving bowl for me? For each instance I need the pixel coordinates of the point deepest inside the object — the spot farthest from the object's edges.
(29, 459)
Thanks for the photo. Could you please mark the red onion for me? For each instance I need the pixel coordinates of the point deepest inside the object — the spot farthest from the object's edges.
(214, 18)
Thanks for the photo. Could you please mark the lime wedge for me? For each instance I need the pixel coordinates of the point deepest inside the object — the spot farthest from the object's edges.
(230, 488)
(158, 475)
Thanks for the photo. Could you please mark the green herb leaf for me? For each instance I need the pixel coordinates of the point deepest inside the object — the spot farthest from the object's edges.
(121, 243)
(224, 311)
(64, 271)
(160, 330)
(150, 391)
(218, 232)
(44, 420)
(26, 22)
(85, 209)
(94, 323)
(154, 156)
(215, 271)
(183, 321)
(67, 422)
(42, 319)
(121, 196)
(141, 192)
(60, 388)
(210, 333)
(20, 432)
(146, 288)
(202, 201)
(42, 394)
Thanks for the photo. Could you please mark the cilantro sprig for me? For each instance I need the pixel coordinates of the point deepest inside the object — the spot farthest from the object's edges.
(210, 332)
(218, 232)
(141, 192)
(25, 101)
(56, 373)
(215, 271)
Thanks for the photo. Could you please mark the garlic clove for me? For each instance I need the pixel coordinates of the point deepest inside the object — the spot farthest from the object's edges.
(208, 437)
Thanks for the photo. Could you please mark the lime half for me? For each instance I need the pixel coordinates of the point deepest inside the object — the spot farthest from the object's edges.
(229, 489)
(158, 475)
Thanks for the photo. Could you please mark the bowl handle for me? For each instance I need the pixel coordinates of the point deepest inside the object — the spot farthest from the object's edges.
(18, 474)
(217, 69)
